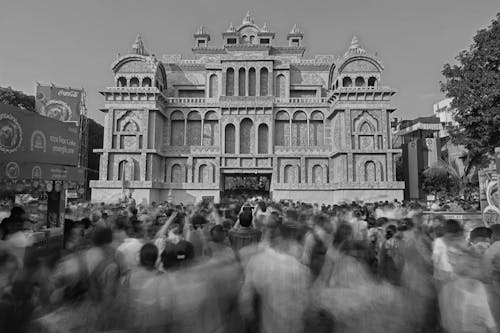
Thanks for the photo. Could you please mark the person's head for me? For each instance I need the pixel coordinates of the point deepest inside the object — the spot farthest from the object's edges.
(148, 256)
(390, 231)
(322, 225)
(132, 212)
(453, 228)
(102, 236)
(262, 205)
(245, 218)
(18, 212)
(104, 216)
(198, 221)
(480, 235)
(495, 233)
(343, 235)
(405, 225)
(177, 255)
(217, 233)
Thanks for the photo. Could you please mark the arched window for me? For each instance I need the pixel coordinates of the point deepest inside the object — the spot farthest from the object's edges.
(299, 129)
(246, 126)
(245, 39)
(204, 174)
(210, 129)
(193, 129)
(372, 81)
(230, 82)
(263, 135)
(230, 139)
(366, 127)
(123, 172)
(359, 81)
(317, 174)
(134, 82)
(176, 175)
(251, 81)
(131, 126)
(316, 133)
(177, 129)
(137, 170)
(346, 82)
(241, 82)
(370, 172)
(291, 174)
(146, 82)
(122, 82)
(282, 129)
(264, 82)
(280, 86)
(252, 39)
(213, 86)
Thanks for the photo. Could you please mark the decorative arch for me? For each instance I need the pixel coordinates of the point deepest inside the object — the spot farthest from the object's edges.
(122, 170)
(263, 137)
(177, 174)
(246, 130)
(241, 81)
(372, 81)
(280, 88)
(374, 64)
(346, 82)
(331, 76)
(317, 174)
(316, 128)
(204, 174)
(130, 126)
(134, 82)
(177, 125)
(366, 127)
(230, 139)
(252, 77)
(210, 129)
(146, 82)
(264, 81)
(230, 82)
(193, 134)
(213, 86)
(121, 82)
(370, 171)
(291, 174)
(299, 129)
(359, 82)
(282, 128)
(365, 117)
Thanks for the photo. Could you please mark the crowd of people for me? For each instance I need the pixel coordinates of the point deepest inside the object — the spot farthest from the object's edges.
(253, 265)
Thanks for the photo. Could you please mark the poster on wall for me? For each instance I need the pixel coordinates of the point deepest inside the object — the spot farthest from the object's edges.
(58, 103)
(489, 196)
(26, 136)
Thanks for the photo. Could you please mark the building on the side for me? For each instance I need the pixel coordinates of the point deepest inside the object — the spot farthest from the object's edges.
(248, 115)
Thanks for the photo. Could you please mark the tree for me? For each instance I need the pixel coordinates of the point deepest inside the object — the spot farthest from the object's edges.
(474, 84)
(440, 180)
(17, 98)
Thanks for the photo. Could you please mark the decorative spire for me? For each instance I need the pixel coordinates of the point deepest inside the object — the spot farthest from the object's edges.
(356, 46)
(231, 28)
(201, 30)
(295, 30)
(264, 28)
(248, 19)
(138, 45)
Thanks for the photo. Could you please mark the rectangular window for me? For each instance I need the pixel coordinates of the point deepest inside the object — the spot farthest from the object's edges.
(201, 43)
(295, 42)
(264, 40)
(231, 40)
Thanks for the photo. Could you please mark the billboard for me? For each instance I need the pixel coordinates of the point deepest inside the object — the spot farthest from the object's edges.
(58, 103)
(14, 171)
(26, 136)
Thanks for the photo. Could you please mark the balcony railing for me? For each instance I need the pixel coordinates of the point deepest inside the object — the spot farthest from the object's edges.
(363, 89)
(300, 100)
(248, 99)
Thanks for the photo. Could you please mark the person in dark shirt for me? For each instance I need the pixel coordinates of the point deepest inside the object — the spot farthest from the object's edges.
(243, 233)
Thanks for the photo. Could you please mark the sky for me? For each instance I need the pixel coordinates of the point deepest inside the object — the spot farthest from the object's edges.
(73, 42)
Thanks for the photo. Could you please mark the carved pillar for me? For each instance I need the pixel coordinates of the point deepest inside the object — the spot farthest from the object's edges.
(303, 170)
(257, 81)
(384, 130)
(275, 171)
(108, 129)
(308, 133)
(290, 130)
(270, 82)
(202, 129)
(237, 137)
(104, 173)
(270, 133)
(185, 131)
(189, 166)
(350, 168)
(389, 173)
(247, 76)
(236, 82)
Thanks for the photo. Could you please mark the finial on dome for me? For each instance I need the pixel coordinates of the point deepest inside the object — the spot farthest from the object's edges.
(138, 45)
(355, 46)
(201, 30)
(248, 18)
(231, 28)
(265, 28)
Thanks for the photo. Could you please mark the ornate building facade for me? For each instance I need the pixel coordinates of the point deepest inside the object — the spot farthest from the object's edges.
(249, 111)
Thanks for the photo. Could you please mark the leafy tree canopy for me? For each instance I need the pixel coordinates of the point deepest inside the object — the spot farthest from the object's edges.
(474, 85)
(17, 98)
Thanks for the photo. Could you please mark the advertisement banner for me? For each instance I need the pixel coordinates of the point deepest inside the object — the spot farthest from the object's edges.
(489, 196)
(13, 171)
(26, 136)
(58, 103)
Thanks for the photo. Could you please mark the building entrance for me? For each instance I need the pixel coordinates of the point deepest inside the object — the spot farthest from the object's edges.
(246, 185)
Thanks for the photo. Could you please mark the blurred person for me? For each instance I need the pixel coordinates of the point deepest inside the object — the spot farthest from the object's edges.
(274, 296)
(480, 239)
(359, 225)
(492, 251)
(243, 233)
(15, 236)
(391, 260)
(131, 244)
(316, 243)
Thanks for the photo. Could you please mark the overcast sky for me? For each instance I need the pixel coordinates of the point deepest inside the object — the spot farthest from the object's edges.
(73, 42)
